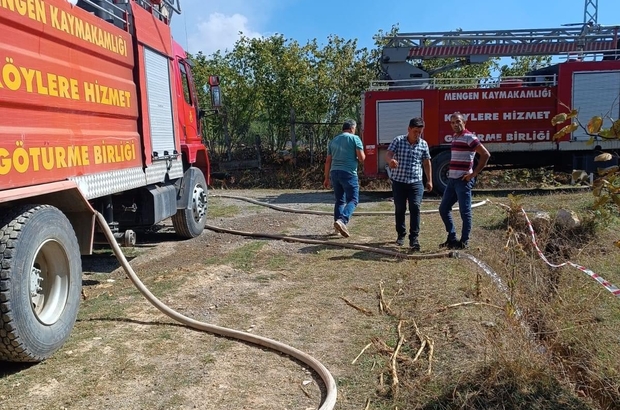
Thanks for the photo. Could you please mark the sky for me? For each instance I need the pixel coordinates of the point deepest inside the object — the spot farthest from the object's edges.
(211, 25)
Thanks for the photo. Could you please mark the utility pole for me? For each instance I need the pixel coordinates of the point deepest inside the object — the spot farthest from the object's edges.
(590, 12)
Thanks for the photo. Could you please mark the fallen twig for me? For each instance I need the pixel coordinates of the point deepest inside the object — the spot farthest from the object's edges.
(367, 404)
(420, 350)
(423, 341)
(431, 344)
(417, 331)
(382, 347)
(393, 297)
(469, 304)
(381, 305)
(362, 352)
(401, 339)
(384, 307)
(361, 309)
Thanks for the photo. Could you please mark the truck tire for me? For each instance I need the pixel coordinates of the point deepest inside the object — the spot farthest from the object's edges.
(189, 221)
(441, 165)
(40, 282)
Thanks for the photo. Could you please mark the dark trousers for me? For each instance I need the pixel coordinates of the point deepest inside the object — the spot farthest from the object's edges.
(404, 193)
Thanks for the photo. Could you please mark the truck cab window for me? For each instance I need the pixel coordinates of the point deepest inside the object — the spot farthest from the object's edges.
(185, 80)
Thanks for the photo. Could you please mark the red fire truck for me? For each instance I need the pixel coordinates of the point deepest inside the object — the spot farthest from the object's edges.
(98, 112)
(512, 116)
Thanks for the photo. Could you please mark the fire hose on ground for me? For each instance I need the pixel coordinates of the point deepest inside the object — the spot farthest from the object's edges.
(329, 399)
(449, 254)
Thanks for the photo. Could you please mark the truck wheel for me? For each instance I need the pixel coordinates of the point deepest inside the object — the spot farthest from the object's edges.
(441, 165)
(40, 282)
(189, 222)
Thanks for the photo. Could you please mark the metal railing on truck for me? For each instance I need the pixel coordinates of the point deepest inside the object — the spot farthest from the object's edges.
(116, 11)
(461, 83)
(528, 80)
(607, 55)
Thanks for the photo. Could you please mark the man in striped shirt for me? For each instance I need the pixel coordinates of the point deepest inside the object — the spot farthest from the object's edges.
(461, 180)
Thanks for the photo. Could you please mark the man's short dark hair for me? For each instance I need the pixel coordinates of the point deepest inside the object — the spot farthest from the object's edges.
(416, 122)
(349, 125)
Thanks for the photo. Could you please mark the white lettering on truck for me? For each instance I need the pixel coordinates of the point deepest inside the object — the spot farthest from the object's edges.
(471, 95)
(502, 95)
(478, 116)
(526, 115)
(497, 95)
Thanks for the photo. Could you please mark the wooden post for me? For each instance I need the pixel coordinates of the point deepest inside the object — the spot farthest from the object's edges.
(227, 139)
(258, 150)
(312, 145)
(293, 138)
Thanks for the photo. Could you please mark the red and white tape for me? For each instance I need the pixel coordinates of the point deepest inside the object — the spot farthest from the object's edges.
(610, 287)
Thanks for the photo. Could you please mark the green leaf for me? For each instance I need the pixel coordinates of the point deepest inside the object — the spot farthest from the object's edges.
(606, 133)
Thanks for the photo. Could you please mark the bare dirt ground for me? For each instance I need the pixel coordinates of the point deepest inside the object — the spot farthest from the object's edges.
(326, 301)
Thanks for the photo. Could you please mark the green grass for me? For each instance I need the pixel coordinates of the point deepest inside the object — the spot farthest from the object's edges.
(295, 296)
(105, 302)
(277, 262)
(222, 211)
(241, 257)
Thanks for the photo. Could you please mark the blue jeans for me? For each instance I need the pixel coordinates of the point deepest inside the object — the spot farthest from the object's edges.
(347, 192)
(459, 191)
(404, 193)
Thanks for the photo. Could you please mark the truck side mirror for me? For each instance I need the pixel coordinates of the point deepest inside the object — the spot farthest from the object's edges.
(216, 100)
(214, 84)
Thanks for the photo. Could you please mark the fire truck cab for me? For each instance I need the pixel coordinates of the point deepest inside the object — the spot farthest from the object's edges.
(511, 116)
(99, 113)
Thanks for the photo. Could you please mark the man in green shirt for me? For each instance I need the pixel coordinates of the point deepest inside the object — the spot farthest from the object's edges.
(343, 154)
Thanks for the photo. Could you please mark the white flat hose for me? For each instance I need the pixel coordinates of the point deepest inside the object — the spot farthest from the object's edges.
(330, 385)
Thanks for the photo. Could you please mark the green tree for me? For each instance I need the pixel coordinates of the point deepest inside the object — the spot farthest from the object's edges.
(265, 80)
(522, 65)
